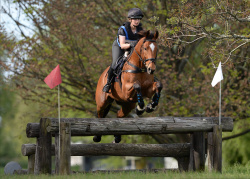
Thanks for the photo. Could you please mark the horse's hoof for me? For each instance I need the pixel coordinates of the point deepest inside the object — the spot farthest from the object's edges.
(150, 108)
(118, 138)
(139, 111)
(97, 138)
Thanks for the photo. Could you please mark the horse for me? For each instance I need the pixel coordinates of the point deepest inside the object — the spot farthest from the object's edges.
(137, 81)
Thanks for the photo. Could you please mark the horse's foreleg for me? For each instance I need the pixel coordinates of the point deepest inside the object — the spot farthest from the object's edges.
(152, 106)
(141, 106)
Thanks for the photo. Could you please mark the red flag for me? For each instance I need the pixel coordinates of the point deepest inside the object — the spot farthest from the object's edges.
(54, 78)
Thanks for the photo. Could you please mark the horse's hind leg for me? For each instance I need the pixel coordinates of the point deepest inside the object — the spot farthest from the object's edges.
(152, 106)
(123, 112)
(102, 112)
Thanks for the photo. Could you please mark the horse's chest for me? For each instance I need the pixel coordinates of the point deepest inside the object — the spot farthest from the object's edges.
(142, 78)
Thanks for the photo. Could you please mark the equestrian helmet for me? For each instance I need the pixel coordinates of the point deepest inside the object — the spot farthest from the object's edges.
(135, 13)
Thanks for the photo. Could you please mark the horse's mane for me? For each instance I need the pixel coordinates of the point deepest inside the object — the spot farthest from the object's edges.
(146, 33)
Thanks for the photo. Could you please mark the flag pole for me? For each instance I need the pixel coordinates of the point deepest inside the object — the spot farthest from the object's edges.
(52, 80)
(59, 120)
(217, 78)
(220, 106)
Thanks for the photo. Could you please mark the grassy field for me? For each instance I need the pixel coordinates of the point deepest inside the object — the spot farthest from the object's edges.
(236, 171)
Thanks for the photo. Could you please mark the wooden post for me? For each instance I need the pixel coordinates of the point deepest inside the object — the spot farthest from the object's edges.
(29, 150)
(183, 163)
(210, 151)
(191, 154)
(31, 164)
(215, 149)
(65, 149)
(199, 150)
(218, 148)
(57, 153)
(43, 149)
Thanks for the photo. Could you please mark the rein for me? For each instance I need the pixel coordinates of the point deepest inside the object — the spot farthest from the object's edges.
(137, 69)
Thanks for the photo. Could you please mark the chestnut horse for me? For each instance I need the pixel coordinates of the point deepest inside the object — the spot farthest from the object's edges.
(137, 81)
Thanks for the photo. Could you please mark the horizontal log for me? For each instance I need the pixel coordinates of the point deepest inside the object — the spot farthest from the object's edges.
(32, 129)
(133, 126)
(140, 150)
(29, 149)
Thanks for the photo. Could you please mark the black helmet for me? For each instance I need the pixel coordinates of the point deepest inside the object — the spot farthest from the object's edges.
(135, 13)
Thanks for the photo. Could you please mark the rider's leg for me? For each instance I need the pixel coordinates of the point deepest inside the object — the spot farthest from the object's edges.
(117, 52)
(109, 80)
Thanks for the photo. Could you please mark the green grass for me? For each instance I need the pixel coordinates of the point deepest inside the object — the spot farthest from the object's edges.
(236, 171)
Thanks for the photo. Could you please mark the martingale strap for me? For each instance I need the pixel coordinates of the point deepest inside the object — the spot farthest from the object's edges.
(137, 69)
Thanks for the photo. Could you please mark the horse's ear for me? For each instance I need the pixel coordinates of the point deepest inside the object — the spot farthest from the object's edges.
(147, 34)
(156, 34)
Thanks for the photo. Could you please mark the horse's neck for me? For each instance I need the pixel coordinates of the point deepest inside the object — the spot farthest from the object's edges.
(135, 57)
(135, 60)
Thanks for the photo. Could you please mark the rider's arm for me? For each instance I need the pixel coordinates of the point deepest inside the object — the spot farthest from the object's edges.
(122, 42)
(122, 38)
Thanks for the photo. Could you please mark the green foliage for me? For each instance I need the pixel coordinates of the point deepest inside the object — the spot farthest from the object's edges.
(7, 113)
(7, 108)
(236, 150)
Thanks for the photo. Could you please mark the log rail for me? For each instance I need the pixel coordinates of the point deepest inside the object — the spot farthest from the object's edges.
(133, 126)
(139, 150)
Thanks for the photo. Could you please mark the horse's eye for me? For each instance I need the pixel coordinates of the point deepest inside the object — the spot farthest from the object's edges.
(145, 48)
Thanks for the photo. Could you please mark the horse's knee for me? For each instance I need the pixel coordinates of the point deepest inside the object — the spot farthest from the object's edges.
(159, 86)
(156, 99)
(137, 87)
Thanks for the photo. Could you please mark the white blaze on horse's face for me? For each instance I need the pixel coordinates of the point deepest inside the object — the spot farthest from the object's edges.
(152, 46)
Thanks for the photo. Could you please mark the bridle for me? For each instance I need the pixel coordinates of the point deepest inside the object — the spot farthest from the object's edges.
(152, 60)
(137, 69)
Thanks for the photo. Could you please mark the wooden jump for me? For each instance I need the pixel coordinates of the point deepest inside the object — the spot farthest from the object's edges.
(190, 156)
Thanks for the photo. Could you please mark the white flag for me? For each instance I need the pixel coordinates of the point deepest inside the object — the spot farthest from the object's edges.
(218, 76)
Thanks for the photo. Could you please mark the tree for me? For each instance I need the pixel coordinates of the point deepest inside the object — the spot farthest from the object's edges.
(7, 150)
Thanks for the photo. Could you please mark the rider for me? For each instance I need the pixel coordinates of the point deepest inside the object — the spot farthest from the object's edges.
(128, 31)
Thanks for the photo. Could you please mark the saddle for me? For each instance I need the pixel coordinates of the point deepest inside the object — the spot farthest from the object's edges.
(118, 68)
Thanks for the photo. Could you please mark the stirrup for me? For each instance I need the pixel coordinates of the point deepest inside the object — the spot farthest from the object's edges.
(106, 88)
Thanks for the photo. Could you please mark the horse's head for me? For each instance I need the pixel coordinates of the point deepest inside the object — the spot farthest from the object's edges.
(148, 50)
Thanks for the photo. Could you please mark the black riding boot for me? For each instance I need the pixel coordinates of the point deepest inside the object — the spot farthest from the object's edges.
(109, 80)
